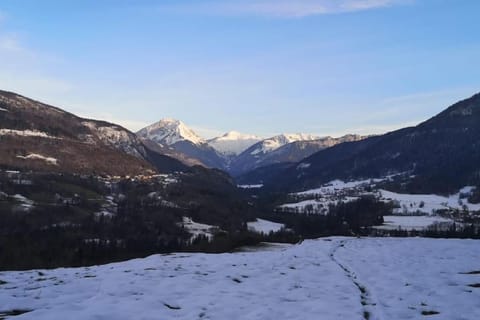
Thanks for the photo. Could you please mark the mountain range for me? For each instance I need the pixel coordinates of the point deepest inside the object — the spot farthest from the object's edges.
(439, 155)
(233, 152)
(38, 136)
(71, 187)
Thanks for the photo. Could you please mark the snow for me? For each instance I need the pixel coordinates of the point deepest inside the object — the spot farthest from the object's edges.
(264, 226)
(302, 166)
(158, 196)
(116, 137)
(338, 185)
(273, 143)
(316, 206)
(166, 179)
(169, 132)
(318, 200)
(411, 222)
(36, 156)
(250, 186)
(109, 208)
(406, 277)
(25, 133)
(332, 278)
(233, 143)
(406, 204)
(429, 203)
(25, 203)
(197, 229)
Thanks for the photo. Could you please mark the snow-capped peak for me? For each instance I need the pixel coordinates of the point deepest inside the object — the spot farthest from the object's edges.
(273, 143)
(233, 142)
(170, 131)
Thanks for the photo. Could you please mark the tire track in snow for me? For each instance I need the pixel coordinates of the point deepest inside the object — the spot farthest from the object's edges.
(369, 305)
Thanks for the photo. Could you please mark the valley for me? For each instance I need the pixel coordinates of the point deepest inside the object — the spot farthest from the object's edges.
(239, 159)
(109, 194)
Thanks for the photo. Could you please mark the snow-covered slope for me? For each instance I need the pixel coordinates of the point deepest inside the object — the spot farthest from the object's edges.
(116, 137)
(170, 131)
(281, 149)
(233, 143)
(318, 200)
(332, 278)
(37, 136)
(273, 143)
(264, 226)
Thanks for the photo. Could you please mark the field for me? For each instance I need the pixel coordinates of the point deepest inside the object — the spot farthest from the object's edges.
(331, 278)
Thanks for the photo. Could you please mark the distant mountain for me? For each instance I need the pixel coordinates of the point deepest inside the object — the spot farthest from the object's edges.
(298, 150)
(233, 152)
(440, 155)
(272, 163)
(233, 143)
(37, 136)
(172, 153)
(284, 149)
(183, 142)
(170, 131)
(273, 143)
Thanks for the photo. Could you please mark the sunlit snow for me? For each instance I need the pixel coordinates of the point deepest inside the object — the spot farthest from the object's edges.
(35, 156)
(25, 133)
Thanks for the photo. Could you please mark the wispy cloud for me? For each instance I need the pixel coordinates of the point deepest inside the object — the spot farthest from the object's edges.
(281, 8)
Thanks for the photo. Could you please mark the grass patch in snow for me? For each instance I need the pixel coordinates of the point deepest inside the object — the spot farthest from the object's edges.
(13, 313)
(171, 307)
(471, 272)
(430, 313)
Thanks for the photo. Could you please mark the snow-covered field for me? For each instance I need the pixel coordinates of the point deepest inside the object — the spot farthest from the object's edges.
(429, 203)
(198, 229)
(265, 226)
(333, 278)
(336, 186)
(314, 206)
(411, 222)
(317, 201)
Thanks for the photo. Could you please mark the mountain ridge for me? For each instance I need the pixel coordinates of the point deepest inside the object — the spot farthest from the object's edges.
(441, 154)
(233, 151)
(32, 132)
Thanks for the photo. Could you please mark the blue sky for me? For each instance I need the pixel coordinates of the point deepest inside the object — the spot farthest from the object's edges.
(326, 67)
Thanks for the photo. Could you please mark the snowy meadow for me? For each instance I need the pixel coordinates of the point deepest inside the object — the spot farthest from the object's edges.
(331, 278)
